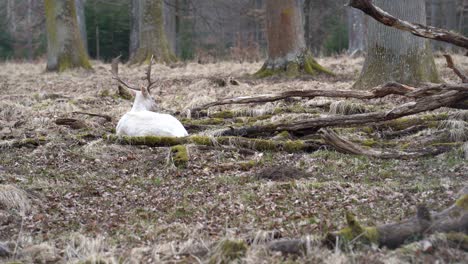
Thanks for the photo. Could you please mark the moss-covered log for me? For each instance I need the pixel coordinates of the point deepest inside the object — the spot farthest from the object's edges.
(148, 36)
(452, 219)
(65, 48)
(27, 142)
(290, 146)
(287, 52)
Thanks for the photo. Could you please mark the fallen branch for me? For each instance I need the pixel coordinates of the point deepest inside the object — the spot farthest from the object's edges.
(106, 117)
(452, 66)
(19, 143)
(345, 146)
(71, 122)
(378, 92)
(452, 219)
(416, 29)
(427, 103)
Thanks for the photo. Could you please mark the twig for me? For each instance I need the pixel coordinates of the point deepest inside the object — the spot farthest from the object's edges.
(108, 118)
(416, 29)
(452, 66)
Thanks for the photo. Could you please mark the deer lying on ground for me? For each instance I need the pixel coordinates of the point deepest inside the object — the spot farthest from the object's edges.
(141, 120)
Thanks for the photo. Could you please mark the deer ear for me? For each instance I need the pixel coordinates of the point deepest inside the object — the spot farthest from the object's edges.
(144, 91)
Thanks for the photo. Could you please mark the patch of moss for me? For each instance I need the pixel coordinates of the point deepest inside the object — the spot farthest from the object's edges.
(369, 142)
(246, 166)
(153, 141)
(355, 230)
(223, 114)
(179, 156)
(293, 146)
(201, 140)
(229, 251)
(203, 122)
(462, 202)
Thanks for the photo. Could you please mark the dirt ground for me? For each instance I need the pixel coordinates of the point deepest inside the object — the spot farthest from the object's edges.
(76, 198)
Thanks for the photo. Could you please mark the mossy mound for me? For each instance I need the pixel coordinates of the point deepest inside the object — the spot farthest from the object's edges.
(304, 64)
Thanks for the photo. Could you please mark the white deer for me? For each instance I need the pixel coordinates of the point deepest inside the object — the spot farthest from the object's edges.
(141, 120)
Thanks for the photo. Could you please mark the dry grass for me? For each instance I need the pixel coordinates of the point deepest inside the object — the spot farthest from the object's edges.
(95, 201)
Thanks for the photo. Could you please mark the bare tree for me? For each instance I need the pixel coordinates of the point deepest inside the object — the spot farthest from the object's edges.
(394, 55)
(148, 36)
(65, 47)
(287, 52)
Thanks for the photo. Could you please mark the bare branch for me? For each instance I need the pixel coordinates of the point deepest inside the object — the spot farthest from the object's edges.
(416, 29)
(452, 66)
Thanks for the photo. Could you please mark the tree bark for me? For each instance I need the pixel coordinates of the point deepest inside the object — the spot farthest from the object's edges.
(80, 12)
(394, 55)
(170, 23)
(357, 31)
(148, 36)
(65, 49)
(287, 52)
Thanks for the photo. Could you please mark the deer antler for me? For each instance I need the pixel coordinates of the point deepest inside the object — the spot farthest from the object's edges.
(148, 74)
(115, 74)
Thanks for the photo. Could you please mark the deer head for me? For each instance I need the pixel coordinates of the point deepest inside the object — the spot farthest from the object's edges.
(143, 99)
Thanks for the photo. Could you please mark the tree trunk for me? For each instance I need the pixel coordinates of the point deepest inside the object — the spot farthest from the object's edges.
(80, 12)
(150, 37)
(65, 47)
(357, 31)
(287, 52)
(170, 23)
(394, 55)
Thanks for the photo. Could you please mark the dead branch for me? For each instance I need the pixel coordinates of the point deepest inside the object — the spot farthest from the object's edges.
(381, 91)
(452, 66)
(423, 104)
(71, 122)
(106, 117)
(452, 219)
(416, 29)
(378, 92)
(19, 143)
(345, 146)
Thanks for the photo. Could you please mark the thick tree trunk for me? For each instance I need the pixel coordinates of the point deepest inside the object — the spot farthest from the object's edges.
(80, 16)
(287, 52)
(65, 47)
(394, 55)
(357, 31)
(148, 36)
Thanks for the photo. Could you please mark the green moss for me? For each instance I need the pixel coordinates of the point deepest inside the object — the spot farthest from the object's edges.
(203, 122)
(460, 239)
(369, 142)
(355, 230)
(228, 251)
(201, 140)
(180, 156)
(293, 146)
(154, 141)
(246, 166)
(223, 114)
(462, 202)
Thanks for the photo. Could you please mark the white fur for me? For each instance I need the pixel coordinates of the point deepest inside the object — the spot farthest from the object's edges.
(141, 121)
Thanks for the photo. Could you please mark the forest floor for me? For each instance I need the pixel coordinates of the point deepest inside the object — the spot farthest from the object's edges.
(77, 198)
